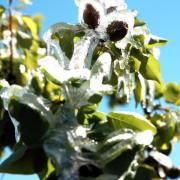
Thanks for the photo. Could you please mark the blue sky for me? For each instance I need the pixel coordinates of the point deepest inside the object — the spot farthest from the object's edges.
(162, 18)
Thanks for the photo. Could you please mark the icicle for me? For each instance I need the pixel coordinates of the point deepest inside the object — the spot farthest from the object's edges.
(101, 69)
(120, 90)
(143, 85)
(151, 87)
(131, 171)
(83, 51)
(126, 85)
(129, 84)
(126, 79)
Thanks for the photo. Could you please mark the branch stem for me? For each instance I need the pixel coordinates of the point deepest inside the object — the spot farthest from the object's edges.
(11, 34)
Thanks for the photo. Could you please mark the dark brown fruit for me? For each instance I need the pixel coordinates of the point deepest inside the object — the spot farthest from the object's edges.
(117, 30)
(91, 16)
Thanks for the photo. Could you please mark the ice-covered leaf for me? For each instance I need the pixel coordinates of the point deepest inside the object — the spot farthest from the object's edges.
(83, 52)
(117, 145)
(24, 161)
(34, 114)
(63, 34)
(3, 84)
(161, 158)
(130, 120)
(144, 138)
(146, 171)
(31, 121)
(52, 70)
(127, 157)
(11, 165)
(57, 74)
(10, 91)
(100, 70)
(59, 143)
(77, 96)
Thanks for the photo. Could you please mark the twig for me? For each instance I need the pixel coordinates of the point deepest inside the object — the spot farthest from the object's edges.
(11, 40)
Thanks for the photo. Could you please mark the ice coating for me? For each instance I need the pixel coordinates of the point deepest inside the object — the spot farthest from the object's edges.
(53, 47)
(83, 51)
(78, 97)
(119, 4)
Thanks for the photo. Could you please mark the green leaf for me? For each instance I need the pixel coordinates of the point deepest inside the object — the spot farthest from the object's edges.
(95, 117)
(107, 177)
(37, 85)
(156, 42)
(44, 175)
(150, 69)
(148, 65)
(138, 57)
(172, 93)
(136, 64)
(130, 120)
(138, 22)
(140, 39)
(32, 26)
(165, 135)
(145, 172)
(31, 59)
(115, 166)
(138, 90)
(33, 123)
(100, 131)
(159, 90)
(95, 99)
(24, 40)
(24, 161)
(38, 20)
(88, 109)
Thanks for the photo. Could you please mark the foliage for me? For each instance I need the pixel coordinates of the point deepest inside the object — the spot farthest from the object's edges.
(50, 91)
